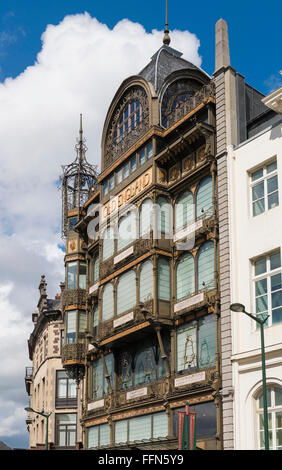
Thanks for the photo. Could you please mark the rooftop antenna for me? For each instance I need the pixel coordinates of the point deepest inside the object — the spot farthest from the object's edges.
(166, 38)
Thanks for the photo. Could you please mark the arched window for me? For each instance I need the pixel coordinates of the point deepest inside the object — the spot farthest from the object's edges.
(206, 266)
(146, 218)
(130, 118)
(204, 198)
(107, 302)
(126, 292)
(163, 216)
(108, 243)
(146, 281)
(184, 210)
(126, 230)
(274, 407)
(185, 276)
(163, 279)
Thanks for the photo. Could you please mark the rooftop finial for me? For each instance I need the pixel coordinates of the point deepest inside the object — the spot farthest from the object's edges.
(166, 38)
(80, 130)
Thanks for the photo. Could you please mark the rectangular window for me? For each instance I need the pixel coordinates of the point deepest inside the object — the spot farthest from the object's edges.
(82, 275)
(99, 436)
(62, 340)
(71, 274)
(268, 287)
(264, 188)
(71, 326)
(65, 391)
(111, 183)
(119, 176)
(65, 429)
(133, 164)
(142, 427)
(196, 344)
(105, 188)
(126, 170)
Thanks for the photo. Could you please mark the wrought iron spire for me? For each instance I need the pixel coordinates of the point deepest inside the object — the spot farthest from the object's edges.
(166, 38)
(77, 181)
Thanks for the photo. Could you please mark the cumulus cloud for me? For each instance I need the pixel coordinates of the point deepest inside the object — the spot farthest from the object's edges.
(78, 70)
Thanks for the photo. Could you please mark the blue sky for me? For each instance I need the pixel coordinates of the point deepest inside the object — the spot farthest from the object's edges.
(57, 72)
(254, 30)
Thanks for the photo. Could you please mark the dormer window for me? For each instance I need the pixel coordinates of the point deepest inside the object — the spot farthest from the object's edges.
(130, 117)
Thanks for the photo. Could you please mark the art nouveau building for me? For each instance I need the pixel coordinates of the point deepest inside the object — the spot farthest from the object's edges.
(150, 241)
(47, 384)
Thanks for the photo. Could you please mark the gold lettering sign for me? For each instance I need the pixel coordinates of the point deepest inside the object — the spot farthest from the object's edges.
(135, 188)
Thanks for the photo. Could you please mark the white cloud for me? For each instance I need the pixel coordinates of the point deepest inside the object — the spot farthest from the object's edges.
(78, 70)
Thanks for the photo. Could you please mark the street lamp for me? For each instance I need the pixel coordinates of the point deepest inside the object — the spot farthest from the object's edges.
(45, 416)
(240, 308)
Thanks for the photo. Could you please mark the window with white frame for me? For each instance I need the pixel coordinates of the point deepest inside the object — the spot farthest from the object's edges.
(274, 407)
(268, 287)
(264, 188)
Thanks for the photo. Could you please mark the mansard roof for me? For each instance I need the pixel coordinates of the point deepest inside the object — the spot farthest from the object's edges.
(164, 62)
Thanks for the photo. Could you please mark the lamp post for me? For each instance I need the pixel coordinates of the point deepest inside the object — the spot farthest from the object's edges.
(240, 308)
(45, 416)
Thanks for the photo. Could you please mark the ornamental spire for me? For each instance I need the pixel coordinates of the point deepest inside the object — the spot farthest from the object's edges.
(166, 38)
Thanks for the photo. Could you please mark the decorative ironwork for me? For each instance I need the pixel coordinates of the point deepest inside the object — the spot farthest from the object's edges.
(178, 105)
(191, 358)
(74, 297)
(114, 149)
(75, 372)
(78, 181)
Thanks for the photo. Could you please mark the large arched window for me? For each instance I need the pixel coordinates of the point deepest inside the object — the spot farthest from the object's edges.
(107, 302)
(206, 266)
(108, 243)
(146, 218)
(146, 281)
(163, 216)
(185, 276)
(130, 117)
(126, 230)
(274, 407)
(204, 198)
(163, 279)
(184, 210)
(126, 292)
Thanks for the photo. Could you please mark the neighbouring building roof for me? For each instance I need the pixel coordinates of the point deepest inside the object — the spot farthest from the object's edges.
(4, 446)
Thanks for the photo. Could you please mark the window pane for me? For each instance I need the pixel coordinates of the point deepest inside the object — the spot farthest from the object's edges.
(111, 183)
(206, 266)
(163, 215)
(96, 269)
(185, 276)
(145, 366)
(261, 304)
(120, 431)
(271, 167)
(273, 200)
(258, 207)
(276, 282)
(72, 272)
(82, 324)
(204, 198)
(133, 164)
(258, 191)
(278, 396)
(93, 437)
(149, 150)
(126, 292)
(261, 287)
(163, 279)
(140, 428)
(62, 388)
(107, 302)
(142, 157)
(257, 174)
(82, 275)
(105, 188)
(108, 243)
(184, 210)
(71, 326)
(186, 347)
(109, 359)
(268, 394)
(71, 389)
(126, 230)
(104, 434)
(71, 437)
(160, 424)
(277, 315)
(146, 281)
(97, 379)
(126, 170)
(206, 346)
(260, 266)
(146, 217)
(275, 261)
(119, 176)
(272, 184)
